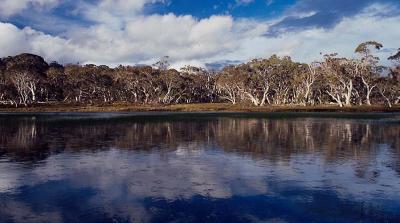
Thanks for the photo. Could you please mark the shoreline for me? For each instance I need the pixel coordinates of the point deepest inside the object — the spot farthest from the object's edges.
(208, 107)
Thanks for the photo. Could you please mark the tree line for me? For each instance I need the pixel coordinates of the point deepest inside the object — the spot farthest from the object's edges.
(28, 79)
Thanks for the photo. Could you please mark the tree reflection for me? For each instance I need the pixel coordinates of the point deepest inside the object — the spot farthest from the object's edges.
(145, 168)
(272, 139)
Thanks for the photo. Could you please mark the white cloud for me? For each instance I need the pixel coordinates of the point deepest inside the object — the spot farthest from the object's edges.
(15, 41)
(143, 38)
(12, 7)
(307, 45)
(114, 12)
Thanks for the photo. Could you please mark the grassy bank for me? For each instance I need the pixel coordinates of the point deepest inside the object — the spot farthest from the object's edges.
(223, 107)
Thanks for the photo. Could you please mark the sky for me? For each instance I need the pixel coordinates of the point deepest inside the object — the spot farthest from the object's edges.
(194, 32)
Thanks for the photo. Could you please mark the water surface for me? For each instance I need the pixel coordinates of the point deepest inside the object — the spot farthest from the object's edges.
(165, 167)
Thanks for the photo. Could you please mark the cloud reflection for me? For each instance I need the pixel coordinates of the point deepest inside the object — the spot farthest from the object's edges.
(136, 170)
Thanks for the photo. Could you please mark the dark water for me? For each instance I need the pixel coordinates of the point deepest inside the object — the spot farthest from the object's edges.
(199, 168)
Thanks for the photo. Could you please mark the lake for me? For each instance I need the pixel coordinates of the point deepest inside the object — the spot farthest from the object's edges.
(199, 167)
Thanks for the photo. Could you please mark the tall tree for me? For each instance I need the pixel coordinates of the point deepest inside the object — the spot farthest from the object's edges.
(389, 87)
(367, 68)
(26, 86)
(230, 84)
(303, 84)
(340, 84)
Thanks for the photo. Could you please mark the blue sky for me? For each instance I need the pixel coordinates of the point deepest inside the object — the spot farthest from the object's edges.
(201, 9)
(196, 32)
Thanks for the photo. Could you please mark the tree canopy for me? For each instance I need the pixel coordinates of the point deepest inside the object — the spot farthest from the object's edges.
(28, 79)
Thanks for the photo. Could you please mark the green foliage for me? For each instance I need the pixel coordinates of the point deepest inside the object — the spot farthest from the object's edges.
(28, 79)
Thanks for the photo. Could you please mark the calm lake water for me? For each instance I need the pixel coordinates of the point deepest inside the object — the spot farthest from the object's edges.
(163, 167)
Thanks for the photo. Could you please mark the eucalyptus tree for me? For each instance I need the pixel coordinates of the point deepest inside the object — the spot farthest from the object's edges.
(149, 84)
(28, 79)
(248, 82)
(172, 85)
(389, 87)
(282, 75)
(199, 85)
(259, 81)
(3, 83)
(229, 84)
(53, 88)
(339, 82)
(304, 84)
(25, 73)
(85, 84)
(26, 86)
(367, 68)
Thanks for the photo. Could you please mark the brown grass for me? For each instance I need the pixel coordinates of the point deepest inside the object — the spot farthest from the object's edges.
(210, 107)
